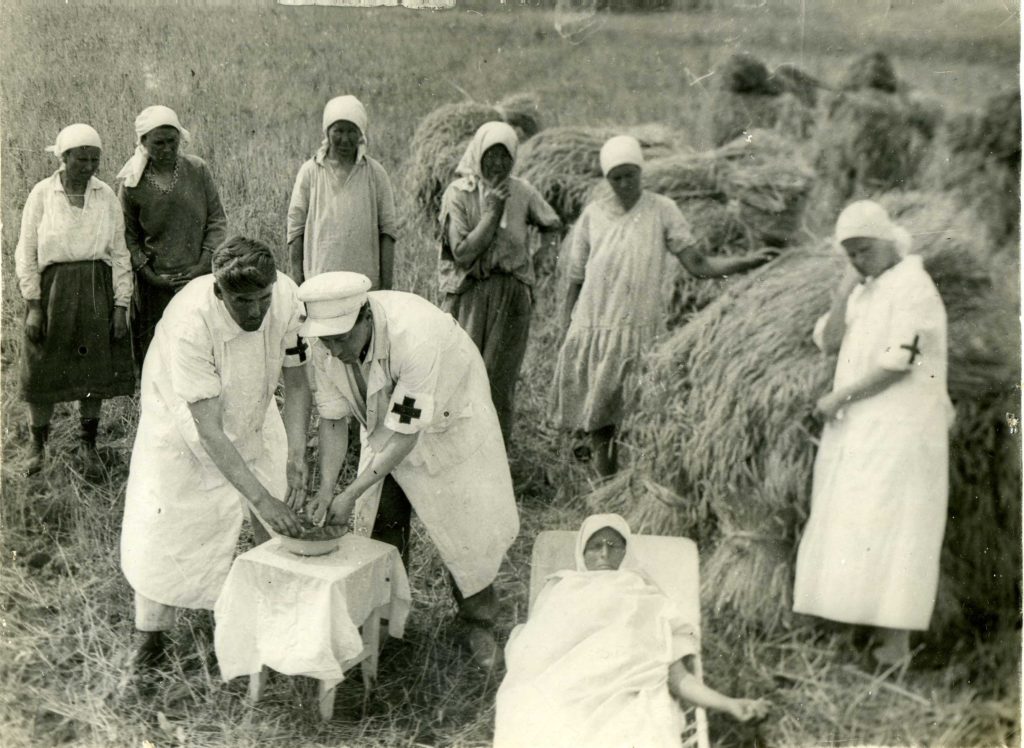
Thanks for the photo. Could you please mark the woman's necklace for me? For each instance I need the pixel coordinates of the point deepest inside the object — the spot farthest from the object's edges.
(153, 180)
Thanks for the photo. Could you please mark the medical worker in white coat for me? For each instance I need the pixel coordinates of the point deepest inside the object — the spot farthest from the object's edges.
(431, 441)
(211, 439)
(870, 550)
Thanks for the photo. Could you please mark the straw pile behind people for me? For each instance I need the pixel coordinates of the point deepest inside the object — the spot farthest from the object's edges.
(442, 136)
(762, 189)
(876, 135)
(978, 159)
(749, 97)
(725, 421)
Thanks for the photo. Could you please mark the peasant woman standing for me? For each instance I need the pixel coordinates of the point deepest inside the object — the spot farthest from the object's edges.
(74, 272)
(172, 215)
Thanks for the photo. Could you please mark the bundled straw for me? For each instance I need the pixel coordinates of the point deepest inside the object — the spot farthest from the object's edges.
(726, 420)
(563, 162)
(748, 97)
(441, 138)
(872, 142)
(978, 159)
(764, 173)
(873, 70)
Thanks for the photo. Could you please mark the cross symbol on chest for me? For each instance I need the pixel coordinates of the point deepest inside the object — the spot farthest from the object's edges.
(913, 349)
(407, 410)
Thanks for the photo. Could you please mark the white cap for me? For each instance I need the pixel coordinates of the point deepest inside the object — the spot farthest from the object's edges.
(333, 301)
(866, 219)
(622, 149)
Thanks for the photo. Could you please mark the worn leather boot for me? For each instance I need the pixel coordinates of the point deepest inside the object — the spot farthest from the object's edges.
(92, 465)
(37, 449)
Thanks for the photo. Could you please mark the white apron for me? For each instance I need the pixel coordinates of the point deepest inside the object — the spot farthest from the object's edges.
(456, 477)
(182, 518)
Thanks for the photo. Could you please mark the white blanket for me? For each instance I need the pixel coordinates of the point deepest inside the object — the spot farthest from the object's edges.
(590, 668)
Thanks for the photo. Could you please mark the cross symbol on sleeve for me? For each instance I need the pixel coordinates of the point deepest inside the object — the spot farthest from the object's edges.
(407, 410)
(298, 349)
(913, 349)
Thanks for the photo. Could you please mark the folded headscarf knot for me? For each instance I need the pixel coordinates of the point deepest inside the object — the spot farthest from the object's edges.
(869, 220)
(148, 120)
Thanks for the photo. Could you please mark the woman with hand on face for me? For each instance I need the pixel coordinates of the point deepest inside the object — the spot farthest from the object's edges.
(602, 657)
(614, 307)
(342, 210)
(870, 551)
(172, 215)
(74, 273)
(486, 267)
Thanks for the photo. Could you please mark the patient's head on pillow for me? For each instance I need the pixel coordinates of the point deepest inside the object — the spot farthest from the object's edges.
(604, 550)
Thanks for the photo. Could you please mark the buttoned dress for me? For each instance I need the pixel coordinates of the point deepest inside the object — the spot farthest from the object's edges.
(182, 517)
(423, 375)
(870, 551)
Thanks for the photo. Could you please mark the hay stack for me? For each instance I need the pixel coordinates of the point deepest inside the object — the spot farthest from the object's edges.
(872, 142)
(563, 162)
(442, 136)
(748, 97)
(978, 159)
(764, 185)
(728, 424)
(872, 70)
(877, 133)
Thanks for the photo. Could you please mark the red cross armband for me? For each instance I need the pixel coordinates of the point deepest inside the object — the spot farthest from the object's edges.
(409, 412)
(296, 351)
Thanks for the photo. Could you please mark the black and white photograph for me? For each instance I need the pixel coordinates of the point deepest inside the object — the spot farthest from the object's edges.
(510, 373)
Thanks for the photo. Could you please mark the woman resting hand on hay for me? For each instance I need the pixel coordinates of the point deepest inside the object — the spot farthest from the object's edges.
(614, 309)
(870, 551)
(602, 657)
(486, 268)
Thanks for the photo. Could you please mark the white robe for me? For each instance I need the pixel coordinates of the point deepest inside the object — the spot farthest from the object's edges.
(870, 550)
(181, 516)
(590, 667)
(424, 375)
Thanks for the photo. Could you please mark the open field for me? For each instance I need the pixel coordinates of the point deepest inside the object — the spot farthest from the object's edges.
(250, 84)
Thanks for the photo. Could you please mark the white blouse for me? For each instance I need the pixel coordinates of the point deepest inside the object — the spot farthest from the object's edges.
(53, 231)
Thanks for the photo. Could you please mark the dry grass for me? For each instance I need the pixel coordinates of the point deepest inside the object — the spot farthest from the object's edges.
(250, 83)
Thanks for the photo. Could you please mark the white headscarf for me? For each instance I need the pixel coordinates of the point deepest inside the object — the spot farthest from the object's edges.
(77, 135)
(622, 149)
(596, 522)
(149, 119)
(348, 109)
(869, 220)
(487, 135)
(470, 172)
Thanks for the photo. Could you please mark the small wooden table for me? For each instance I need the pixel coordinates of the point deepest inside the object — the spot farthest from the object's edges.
(317, 616)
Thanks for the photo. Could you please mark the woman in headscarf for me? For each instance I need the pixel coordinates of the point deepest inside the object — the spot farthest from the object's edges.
(74, 273)
(870, 551)
(342, 211)
(614, 307)
(486, 267)
(172, 215)
(602, 657)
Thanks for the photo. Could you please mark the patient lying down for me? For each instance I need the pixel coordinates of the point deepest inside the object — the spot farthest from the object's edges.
(603, 657)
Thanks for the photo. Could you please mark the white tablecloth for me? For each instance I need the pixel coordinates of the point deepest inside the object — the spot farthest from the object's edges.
(300, 615)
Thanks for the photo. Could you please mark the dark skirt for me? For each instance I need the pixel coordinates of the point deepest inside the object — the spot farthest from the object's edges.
(150, 302)
(78, 357)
